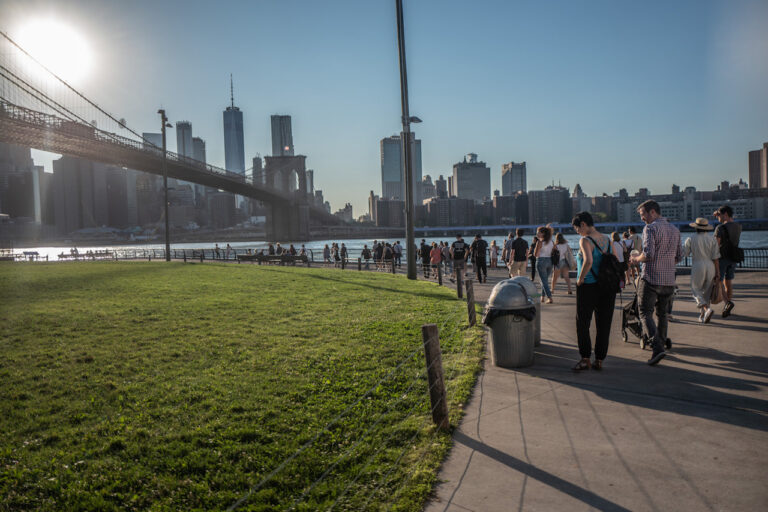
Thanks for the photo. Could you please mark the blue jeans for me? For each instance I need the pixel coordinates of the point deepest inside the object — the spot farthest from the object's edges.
(544, 270)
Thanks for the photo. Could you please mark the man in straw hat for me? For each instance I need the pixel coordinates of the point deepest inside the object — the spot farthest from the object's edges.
(705, 270)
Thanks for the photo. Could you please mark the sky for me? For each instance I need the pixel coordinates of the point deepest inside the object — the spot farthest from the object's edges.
(606, 93)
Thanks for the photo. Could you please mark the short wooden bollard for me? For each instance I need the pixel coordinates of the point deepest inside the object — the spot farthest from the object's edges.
(431, 338)
(471, 315)
(343, 263)
(202, 256)
(185, 255)
(359, 264)
(393, 265)
(440, 274)
(459, 282)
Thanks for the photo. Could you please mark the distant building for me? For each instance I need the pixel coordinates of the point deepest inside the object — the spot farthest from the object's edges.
(441, 187)
(184, 139)
(392, 171)
(390, 213)
(345, 213)
(513, 178)
(552, 204)
(758, 167)
(449, 212)
(152, 139)
(234, 151)
(282, 136)
(472, 179)
(221, 206)
(427, 188)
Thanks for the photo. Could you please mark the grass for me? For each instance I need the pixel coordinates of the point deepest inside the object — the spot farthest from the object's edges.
(154, 386)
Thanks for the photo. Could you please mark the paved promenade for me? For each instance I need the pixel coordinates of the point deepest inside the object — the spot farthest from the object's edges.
(689, 434)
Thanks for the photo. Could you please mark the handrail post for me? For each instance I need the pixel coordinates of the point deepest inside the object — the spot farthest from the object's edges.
(437, 396)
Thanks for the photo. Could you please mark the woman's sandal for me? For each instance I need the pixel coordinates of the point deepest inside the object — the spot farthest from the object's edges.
(597, 365)
(583, 364)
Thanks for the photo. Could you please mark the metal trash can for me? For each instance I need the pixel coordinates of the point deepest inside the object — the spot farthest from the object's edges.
(510, 314)
(534, 294)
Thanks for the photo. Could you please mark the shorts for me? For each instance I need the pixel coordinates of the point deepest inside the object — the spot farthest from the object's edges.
(563, 263)
(727, 269)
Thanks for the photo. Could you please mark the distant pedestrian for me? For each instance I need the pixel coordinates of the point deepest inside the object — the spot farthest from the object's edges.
(366, 255)
(335, 254)
(378, 252)
(661, 251)
(292, 250)
(543, 253)
(447, 258)
(478, 251)
(278, 249)
(424, 251)
(397, 252)
(532, 255)
(270, 250)
(728, 234)
(216, 251)
(344, 253)
(326, 254)
(564, 264)
(303, 251)
(705, 255)
(228, 250)
(517, 252)
(388, 256)
(637, 241)
(590, 300)
(435, 258)
(458, 252)
(494, 250)
(620, 253)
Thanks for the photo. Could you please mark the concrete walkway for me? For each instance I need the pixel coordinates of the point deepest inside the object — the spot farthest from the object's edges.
(688, 434)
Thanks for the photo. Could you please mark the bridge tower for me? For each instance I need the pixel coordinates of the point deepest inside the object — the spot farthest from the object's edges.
(288, 221)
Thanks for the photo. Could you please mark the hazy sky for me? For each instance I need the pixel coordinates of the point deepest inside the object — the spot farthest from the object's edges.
(606, 93)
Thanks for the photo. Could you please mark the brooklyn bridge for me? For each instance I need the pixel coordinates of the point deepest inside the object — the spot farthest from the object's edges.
(41, 111)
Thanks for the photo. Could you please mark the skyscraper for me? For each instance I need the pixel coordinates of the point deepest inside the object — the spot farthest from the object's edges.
(392, 171)
(234, 151)
(758, 167)
(472, 179)
(184, 139)
(513, 179)
(282, 136)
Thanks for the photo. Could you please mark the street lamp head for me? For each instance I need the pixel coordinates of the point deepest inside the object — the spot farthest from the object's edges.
(168, 125)
(414, 119)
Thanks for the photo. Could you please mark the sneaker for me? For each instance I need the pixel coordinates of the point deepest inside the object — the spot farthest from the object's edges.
(727, 309)
(658, 354)
(701, 315)
(707, 315)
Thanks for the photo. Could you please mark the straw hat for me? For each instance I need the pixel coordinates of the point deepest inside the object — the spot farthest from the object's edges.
(701, 223)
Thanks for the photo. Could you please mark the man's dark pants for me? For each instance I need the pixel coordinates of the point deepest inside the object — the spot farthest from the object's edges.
(654, 297)
(481, 269)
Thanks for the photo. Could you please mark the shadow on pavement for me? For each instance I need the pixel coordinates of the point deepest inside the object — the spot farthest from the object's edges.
(665, 387)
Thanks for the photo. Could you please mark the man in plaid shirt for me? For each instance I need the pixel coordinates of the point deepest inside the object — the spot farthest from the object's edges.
(661, 252)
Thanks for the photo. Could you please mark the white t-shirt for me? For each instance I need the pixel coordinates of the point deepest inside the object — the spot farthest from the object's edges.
(618, 251)
(546, 249)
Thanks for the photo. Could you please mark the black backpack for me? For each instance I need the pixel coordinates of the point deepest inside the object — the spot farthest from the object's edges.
(610, 274)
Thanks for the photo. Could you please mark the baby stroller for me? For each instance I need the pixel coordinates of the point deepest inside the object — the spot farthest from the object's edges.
(630, 321)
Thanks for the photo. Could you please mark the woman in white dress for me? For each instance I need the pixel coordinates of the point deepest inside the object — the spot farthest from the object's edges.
(705, 253)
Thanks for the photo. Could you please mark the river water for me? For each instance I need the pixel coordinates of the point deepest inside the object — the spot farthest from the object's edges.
(749, 239)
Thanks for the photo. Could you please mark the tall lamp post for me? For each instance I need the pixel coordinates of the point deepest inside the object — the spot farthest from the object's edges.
(164, 124)
(405, 141)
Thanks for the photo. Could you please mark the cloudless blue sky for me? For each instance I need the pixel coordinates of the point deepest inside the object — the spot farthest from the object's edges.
(606, 93)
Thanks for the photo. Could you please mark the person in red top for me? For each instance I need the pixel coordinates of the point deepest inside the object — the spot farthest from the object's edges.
(435, 257)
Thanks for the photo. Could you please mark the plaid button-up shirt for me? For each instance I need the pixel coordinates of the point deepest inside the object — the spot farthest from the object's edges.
(662, 249)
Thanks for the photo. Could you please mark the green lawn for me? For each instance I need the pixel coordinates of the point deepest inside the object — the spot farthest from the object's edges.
(171, 386)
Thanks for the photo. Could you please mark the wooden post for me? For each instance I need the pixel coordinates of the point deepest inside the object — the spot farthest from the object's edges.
(471, 316)
(343, 263)
(431, 339)
(393, 265)
(184, 252)
(359, 264)
(440, 274)
(459, 282)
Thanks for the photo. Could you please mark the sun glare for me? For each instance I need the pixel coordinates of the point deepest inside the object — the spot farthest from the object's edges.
(58, 47)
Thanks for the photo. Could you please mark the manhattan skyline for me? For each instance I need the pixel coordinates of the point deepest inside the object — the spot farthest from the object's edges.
(608, 96)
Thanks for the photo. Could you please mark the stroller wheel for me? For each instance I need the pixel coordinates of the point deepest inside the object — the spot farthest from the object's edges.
(668, 343)
(624, 336)
(642, 343)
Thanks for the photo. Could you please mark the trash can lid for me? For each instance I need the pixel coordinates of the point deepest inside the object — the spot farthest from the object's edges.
(509, 295)
(530, 288)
